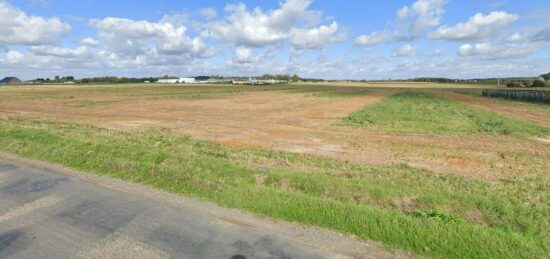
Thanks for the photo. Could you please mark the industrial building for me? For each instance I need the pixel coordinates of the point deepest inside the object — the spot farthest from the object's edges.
(181, 80)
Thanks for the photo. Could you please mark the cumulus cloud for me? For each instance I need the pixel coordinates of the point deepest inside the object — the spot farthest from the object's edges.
(415, 19)
(243, 55)
(516, 37)
(542, 35)
(13, 57)
(127, 36)
(89, 41)
(422, 15)
(478, 27)
(259, 28)
(497, 51)
(59, 51)
(317, 38)
(18, 28)
(406, 50)
(377, 37)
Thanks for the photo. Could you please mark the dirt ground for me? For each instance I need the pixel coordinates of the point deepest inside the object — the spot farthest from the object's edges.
(295, 122)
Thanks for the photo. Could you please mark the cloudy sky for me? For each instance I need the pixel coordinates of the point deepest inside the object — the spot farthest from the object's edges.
(322, 38)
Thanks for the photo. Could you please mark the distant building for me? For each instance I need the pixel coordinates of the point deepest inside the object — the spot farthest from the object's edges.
(168, 81)
(11, 80)
(186, 80)
(181, 80)
(251, 81)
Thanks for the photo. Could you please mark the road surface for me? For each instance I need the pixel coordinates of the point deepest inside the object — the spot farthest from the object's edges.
(59, 213)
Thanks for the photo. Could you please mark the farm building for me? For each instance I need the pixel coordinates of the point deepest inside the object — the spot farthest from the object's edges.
(186, 80)
(168, 81)
(251, 81)
(181, 80)
(11, 81)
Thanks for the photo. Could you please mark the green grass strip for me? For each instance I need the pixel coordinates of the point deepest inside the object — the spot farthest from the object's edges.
(421, 112)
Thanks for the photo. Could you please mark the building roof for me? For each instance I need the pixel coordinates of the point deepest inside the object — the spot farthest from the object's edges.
(11, 80)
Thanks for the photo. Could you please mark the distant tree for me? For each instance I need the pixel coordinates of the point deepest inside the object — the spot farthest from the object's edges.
(294, 78)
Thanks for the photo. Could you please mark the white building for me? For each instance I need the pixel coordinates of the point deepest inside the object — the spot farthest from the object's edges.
(186, 80)
(168, 81)
(181, 80)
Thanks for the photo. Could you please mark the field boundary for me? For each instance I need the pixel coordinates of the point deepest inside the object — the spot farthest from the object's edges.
(529, 96)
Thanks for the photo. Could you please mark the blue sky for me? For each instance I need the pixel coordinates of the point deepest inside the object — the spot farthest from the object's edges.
(319, 38)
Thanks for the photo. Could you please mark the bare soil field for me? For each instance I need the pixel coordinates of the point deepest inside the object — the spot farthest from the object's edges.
(287, 120)
(467, 175)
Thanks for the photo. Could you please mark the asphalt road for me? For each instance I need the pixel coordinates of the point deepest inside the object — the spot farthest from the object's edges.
(48, 214)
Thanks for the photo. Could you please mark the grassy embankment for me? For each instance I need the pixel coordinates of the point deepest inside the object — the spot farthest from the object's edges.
(424, 113)
(403, 207)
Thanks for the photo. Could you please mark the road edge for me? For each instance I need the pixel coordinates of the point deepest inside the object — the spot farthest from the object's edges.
(315, 237)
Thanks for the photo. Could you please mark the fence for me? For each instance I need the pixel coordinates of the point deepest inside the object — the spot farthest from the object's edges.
(529, 96)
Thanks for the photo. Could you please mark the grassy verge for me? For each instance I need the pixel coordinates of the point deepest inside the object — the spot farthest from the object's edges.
(402, 207)
(421, 112)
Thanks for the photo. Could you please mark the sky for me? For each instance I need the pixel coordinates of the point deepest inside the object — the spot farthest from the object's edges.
(345, 39)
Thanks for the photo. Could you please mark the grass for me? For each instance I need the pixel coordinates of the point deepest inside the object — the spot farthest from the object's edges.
(331, 91)
(112, 93)
(120, 92)
(424, 113)
(403, 207)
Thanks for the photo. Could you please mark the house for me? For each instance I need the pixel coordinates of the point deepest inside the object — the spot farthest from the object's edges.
(11, 80)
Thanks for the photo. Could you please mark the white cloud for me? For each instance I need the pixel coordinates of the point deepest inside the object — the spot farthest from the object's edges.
(497, 51)
(317, 38)
(377, 37)
(406, 50)
(415, 19)
(126, 28)
(258, 28)
(209, 13)
(422, 15)
(243, 55)
(89, 41)
(14, 57)
(516, 37)
(127, 37)
(18, 28)
(478, 27)
(58, 51)
(542, 35)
